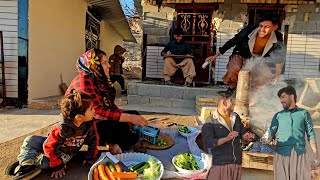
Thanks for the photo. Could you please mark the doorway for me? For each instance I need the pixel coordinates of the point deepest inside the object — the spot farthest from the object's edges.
(196, 22)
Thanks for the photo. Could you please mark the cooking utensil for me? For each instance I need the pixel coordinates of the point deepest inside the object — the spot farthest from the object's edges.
(116, 161)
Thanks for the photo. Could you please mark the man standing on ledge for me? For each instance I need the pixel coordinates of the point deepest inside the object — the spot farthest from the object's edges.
(171, 65)
(264, 44)
(291, 125)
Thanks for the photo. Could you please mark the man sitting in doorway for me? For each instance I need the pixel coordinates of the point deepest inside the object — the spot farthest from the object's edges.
(171, 65)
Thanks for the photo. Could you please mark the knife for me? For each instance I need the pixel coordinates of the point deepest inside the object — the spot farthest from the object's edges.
(116, 161)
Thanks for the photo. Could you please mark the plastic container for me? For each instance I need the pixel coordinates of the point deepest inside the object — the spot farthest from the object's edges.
(191, 129)
(206, 63)
(148, 133)
(190, 172)
(266, 138)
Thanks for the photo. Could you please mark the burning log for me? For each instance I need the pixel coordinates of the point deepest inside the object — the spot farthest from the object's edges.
(257, 126)
(242, 94)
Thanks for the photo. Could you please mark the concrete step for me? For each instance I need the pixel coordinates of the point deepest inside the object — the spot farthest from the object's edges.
(167, 96)
(164, 110)
(53, 102)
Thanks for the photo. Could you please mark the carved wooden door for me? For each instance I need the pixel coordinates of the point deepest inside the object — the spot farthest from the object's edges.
(196, 22)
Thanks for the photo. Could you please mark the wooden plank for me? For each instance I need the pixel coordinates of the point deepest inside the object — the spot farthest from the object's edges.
(11, 70)
(12, 94)
(152, 68)
(297, 56)
(11, 52)
(11, 88)
(12, 82)
(9, 15)
(155, 47)
(11, 3)
(10, 40)
(8, 28)
(10, 76)
(10, 64)
(8, 22)
(8, 34)
(11, 58)
(10, 46)
(13, 9)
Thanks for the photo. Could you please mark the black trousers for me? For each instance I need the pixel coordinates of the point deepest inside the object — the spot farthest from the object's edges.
(115, 132)
(119, 79)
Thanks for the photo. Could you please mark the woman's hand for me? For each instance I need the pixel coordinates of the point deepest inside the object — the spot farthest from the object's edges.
(88, 162)
(134, 119)
(59, 173)
(113, 148)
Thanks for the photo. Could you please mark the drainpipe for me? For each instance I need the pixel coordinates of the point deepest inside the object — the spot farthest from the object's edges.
(144, 56)
(3, 68)
(285, 42)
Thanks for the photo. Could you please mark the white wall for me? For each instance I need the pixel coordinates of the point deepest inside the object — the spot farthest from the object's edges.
(9, 26)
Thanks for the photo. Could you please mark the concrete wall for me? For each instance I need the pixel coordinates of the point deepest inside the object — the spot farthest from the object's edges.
(56, 39)
(233, 16)
(303, 18)
(157, 24)
(109, 38)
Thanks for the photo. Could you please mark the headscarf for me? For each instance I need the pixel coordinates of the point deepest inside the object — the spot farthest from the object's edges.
(90, 63)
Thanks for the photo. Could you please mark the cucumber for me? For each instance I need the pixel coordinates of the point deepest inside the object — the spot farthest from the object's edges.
(111, 167)
(138, 166)
(140, 170)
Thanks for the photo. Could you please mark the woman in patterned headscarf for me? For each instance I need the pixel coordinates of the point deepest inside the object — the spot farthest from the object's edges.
(113, 124)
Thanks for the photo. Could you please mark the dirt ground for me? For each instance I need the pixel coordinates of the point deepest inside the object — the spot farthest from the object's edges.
(77, 171)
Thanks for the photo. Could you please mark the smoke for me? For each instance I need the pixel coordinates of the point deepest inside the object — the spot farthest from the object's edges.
(263, 99)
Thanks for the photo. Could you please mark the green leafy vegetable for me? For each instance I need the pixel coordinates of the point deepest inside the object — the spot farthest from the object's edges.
(161, 142)
(184, 129)
(186, 161)
(153, 171)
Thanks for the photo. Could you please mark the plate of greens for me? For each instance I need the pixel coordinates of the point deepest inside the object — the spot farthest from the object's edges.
(187, 131)
(188, 164)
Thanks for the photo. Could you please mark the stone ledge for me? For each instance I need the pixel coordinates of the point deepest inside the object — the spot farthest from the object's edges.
(177, 92)
(52, 102)
(156, 101)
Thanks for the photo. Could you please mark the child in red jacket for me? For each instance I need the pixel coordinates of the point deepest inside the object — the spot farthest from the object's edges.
(63, 142)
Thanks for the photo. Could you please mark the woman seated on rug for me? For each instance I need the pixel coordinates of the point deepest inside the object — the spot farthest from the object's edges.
(113, 125)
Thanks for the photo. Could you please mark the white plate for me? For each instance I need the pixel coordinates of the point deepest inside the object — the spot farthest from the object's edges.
(129, 159)
(190, 172)
(192, 129)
